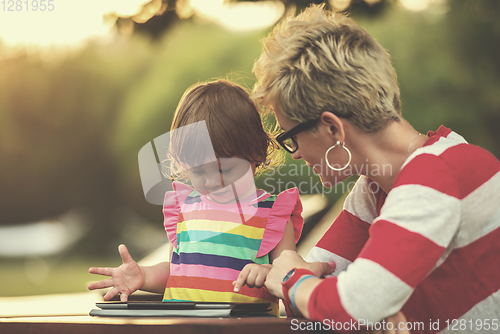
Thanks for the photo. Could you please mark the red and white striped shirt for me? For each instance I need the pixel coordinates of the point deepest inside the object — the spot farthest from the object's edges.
(430, 247)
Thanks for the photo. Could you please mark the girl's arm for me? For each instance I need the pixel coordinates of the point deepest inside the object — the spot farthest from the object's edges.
(130, 277)
(155, 277)
(287, 242)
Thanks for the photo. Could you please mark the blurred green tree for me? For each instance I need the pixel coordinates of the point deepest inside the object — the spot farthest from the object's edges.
(70, 130)
(158, 16)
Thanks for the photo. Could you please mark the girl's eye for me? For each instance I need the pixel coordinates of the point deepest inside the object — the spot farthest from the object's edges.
(197, 172)
(225, 171)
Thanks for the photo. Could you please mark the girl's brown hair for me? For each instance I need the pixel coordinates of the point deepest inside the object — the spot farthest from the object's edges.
(233, 122)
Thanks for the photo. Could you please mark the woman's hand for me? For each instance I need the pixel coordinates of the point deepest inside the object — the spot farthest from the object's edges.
(287, 261)
(396, 320)
(125, 279)
(253, 275)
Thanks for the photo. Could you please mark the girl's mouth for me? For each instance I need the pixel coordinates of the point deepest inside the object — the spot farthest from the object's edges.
(219, 193)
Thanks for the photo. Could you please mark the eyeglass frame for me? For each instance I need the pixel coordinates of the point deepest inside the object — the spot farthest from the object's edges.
(293, 132)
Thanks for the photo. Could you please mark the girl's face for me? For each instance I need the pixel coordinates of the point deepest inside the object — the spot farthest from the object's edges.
(224, 180)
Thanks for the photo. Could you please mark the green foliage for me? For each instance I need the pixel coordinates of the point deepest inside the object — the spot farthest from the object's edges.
(37, 276)
(71, 129)
(441, 82)
(187, 55)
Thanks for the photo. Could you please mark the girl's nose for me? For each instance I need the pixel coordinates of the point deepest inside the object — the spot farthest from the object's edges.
(213, 181)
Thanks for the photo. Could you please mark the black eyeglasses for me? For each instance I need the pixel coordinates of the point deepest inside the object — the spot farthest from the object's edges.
(286, 139)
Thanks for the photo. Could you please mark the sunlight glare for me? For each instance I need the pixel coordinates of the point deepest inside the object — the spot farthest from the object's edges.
(71, 23)
(340, 5)
(416, 5)
(240, 16)
(122, 7)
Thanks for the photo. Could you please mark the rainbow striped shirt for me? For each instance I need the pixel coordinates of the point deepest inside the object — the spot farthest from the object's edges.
(213, 242)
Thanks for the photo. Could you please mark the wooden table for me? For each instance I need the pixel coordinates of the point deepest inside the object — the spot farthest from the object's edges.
(68, 314)
(90, 325)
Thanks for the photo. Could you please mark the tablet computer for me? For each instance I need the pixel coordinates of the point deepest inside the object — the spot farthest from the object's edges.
(179, 309)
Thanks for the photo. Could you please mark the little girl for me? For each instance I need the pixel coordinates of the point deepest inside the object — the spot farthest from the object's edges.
(225, 233)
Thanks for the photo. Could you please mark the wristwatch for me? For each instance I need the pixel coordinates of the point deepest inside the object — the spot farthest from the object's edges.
(287, 276)
(290, 279)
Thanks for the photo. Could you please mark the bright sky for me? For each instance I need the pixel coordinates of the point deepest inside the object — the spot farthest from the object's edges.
(71, 22)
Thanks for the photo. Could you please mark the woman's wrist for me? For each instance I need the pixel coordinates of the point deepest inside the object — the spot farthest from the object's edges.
(295, 287)
(290, 279)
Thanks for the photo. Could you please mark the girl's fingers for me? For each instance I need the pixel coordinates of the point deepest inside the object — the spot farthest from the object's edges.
(123, 297)
(259, 281)
(251, 278)
(125, 255)
(101, 271)
(101, 285)
(240, 281)
(111, 293)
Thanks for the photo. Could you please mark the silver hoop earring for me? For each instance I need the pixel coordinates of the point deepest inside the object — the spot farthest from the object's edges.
(348, 153)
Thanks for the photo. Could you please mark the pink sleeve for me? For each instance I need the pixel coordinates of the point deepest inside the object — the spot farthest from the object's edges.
(172, 208)
(286, 208)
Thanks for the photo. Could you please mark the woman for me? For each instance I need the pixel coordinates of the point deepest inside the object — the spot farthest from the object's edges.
(419, 231)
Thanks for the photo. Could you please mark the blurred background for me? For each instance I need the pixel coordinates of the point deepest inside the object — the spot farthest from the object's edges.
(85, 84)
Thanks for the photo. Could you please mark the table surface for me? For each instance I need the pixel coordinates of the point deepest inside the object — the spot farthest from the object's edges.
(69, 314)
(89, 325)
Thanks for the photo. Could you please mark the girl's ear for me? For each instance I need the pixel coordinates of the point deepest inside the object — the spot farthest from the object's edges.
(334, 125)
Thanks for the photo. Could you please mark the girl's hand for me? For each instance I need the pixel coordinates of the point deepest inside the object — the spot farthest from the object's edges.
(253, 275)
(125, 279)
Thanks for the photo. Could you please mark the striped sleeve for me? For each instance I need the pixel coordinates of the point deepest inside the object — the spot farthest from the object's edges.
(420, 216)
(343, 241)
(436, 234)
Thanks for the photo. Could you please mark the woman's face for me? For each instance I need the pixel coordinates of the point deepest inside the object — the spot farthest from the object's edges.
(312, 147)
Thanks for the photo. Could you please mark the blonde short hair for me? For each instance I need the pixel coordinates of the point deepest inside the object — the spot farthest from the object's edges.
(322, 61)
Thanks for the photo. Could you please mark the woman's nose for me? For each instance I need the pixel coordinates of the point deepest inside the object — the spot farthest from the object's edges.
(296, 155)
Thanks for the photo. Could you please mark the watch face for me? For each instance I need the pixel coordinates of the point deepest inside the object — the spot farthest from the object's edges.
(288, 275)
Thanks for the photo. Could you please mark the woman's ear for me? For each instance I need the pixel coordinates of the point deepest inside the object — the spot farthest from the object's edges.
(334, 125)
